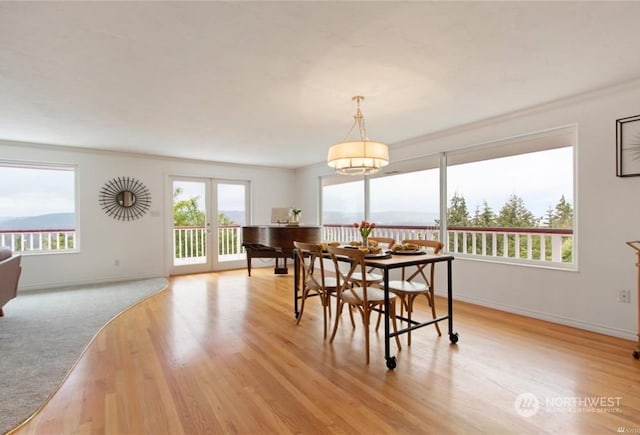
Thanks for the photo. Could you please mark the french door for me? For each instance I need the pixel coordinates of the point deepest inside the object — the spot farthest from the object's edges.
(208, 215)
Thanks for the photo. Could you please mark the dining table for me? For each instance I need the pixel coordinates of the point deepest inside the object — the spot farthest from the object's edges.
(386, 263)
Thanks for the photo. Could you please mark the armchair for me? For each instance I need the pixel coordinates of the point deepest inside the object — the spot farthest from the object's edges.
(9, 275)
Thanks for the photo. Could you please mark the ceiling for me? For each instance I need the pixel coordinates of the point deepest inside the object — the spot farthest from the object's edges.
(270, 83)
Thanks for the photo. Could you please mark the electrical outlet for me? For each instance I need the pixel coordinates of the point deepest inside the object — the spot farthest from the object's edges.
(624, 297)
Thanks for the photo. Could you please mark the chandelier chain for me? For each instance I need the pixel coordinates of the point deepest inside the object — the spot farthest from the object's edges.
(359, 121)
(358, 157)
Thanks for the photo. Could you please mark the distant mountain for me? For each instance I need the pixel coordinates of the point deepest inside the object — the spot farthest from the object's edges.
(52, 221)
(390, 218)
(237, 216)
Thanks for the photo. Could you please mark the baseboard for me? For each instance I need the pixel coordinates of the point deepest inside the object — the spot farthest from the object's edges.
(567, 321)
(103, 280)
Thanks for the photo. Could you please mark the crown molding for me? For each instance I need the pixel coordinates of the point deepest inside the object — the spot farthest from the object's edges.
(111, 153)
(527, 111)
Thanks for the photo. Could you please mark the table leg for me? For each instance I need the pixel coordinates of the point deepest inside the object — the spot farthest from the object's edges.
(296, 279)
(390, 360)
(453, 336)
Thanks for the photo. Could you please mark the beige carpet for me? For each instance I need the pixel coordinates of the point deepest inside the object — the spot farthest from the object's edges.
(43, 333)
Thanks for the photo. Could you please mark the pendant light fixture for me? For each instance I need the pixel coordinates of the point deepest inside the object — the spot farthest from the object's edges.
(358, 157)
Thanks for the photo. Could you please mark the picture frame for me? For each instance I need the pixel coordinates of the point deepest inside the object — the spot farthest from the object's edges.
(628, 146)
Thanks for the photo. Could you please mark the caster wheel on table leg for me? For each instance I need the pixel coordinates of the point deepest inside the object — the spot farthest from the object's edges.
(391, 363)
(453, 337)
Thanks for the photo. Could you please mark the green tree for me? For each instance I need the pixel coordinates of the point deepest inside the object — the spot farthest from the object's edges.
(223, 219)
(484, 217)
(514, 214)
(458, 216)
(457, 213)
(227, 240)
(186, 212)
(561, 216)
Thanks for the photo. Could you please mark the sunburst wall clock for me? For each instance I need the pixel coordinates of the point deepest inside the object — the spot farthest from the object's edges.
(628, 146)
(125, 198)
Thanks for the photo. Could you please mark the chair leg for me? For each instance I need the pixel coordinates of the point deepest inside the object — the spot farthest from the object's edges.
(304, 298)
(353, 323)
(402, 305)
(366, 315)
(392, 309)
(325, 307)
(432, 302)
(409, 311)
(339, 305)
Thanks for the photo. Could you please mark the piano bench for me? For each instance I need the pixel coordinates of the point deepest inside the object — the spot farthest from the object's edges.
(257, 250)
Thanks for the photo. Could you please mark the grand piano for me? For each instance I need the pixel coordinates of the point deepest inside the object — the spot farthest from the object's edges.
(276, 241)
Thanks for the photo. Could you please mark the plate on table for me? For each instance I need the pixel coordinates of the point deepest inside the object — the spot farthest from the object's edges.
(408, 252)
(378, 256)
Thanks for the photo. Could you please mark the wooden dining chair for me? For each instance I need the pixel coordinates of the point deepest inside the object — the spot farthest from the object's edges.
(364, 298)
(314, 281)
(408, 288)
(388, 241)
(371, 276)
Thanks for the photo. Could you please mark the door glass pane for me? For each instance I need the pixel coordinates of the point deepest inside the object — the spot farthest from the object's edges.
(232, 215)
(189, 222)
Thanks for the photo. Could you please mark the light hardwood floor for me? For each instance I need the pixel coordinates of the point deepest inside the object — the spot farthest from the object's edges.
(220, 353)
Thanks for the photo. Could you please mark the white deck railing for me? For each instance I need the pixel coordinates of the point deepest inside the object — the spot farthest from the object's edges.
(190, 242)
(39, 240)
(536, 244)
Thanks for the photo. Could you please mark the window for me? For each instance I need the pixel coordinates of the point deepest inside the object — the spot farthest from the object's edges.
(37, 206)
(342, 202)
(409, 199)
(509, 201)
(513, 200)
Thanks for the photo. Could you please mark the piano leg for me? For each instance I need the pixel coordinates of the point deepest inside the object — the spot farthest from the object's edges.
(281, 270)
(261, 251)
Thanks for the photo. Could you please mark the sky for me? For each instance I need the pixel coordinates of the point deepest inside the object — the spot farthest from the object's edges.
(53, 192)
(540, 178)
(32, 192)
(230, 196)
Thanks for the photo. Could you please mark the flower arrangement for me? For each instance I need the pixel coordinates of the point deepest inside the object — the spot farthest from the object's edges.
(295, 214)
(365, 230)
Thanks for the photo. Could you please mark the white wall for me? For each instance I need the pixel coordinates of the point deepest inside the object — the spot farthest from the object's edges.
(607, 211)
(141, 245)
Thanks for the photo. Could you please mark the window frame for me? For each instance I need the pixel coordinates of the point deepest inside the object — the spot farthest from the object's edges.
(56, 166)
(553, 138)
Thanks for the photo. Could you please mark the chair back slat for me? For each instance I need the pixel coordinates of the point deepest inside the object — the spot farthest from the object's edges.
(310, 254)
(356, 263)
(437, 247)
